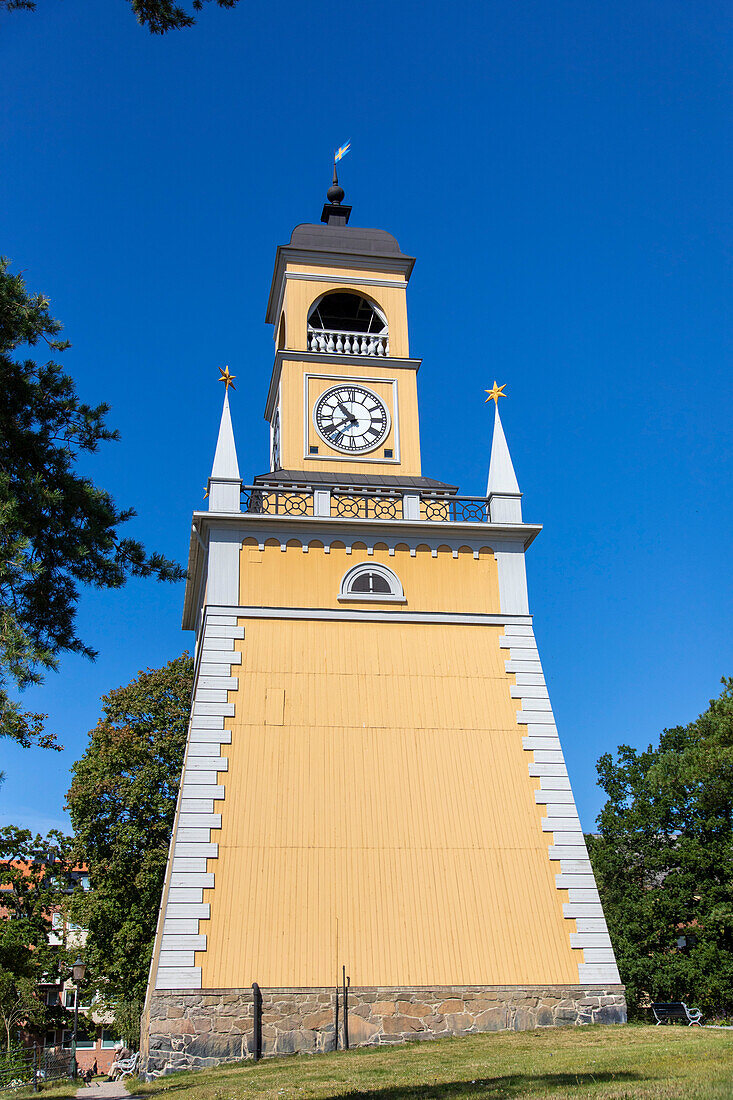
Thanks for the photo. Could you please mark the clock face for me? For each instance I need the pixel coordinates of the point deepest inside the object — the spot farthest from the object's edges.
(351, 419)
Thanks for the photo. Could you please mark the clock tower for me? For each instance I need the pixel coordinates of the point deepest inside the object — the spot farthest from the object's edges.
(373, 785)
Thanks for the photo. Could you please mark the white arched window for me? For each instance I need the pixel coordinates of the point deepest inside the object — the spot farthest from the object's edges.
(368, 581)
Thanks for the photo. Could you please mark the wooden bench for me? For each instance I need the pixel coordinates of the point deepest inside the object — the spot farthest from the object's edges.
(669, 1012)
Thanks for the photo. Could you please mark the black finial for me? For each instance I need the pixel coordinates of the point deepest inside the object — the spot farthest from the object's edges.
(333, 212)
(335, 192)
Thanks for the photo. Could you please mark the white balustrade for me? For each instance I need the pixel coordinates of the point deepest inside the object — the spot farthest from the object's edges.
(333, 342)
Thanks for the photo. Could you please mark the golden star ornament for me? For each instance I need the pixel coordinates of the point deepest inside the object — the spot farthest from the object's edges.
(496, 393)
(226, 377)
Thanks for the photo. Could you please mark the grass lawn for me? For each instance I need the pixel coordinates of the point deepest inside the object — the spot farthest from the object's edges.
(615, 1063)
(53, 1092)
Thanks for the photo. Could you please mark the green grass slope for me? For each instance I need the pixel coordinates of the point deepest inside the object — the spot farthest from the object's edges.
(613, 1063)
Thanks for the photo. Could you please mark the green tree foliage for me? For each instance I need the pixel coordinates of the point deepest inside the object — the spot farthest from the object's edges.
(34, 872)
(664, 861)
(58, 530)
(158, 16)
(122, 804)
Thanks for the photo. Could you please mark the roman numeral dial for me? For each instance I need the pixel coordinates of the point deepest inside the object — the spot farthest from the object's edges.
(351, 419)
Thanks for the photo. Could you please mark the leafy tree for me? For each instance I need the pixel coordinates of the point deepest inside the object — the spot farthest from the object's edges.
(127, 1021)
(664, 861)
(122, 803)
(58, 530)
(158, 16)
(34, 875)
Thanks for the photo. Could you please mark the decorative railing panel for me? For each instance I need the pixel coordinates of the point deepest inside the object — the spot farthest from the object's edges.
(346, 504)
(454, 509)
(276, 502)
(333, 342)
(366, 506)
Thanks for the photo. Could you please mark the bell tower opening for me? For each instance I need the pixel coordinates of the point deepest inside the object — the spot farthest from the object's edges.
(345, 323)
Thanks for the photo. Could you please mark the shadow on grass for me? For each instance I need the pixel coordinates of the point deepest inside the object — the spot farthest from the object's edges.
(514, 1084)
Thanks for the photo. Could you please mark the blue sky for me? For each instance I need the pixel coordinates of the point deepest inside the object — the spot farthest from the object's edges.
(559, 171)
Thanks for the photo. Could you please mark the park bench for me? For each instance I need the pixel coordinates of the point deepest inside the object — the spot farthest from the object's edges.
(669, 1012)
(129, 1066)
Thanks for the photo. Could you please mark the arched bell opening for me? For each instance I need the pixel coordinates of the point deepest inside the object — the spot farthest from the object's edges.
(344, 323)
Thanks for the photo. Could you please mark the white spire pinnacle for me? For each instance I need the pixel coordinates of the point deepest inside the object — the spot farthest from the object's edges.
(503, 489)
(225, 484)
(225, 459)
(502, 478)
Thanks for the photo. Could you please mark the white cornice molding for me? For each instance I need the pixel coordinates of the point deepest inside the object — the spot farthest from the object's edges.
(350, 261)
(355, 280)
(370, 614)
(316, 527)
(316, 358)
(302, 525)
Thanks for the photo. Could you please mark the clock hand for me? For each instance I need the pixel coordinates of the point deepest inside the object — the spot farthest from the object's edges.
(344, 409)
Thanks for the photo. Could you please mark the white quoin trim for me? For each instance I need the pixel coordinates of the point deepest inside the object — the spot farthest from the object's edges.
(192, 851)
(562, 825)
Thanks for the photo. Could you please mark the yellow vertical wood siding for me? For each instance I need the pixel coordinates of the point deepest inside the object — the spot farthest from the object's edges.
(392, 811)
(295, 579)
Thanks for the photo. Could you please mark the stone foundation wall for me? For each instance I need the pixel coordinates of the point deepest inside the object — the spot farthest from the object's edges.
(191, 1029)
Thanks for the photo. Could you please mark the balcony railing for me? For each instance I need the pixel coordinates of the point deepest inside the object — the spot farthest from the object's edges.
(333, 342)
(371, 504)
(276, 502)
(367, 505)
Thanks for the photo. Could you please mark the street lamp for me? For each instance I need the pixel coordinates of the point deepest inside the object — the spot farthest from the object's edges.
(78, 971)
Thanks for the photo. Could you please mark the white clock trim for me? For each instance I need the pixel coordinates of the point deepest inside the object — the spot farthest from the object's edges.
(364, 450)
(364, 456)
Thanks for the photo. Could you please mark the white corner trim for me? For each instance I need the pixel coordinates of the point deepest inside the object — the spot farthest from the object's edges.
(187, 874)
(565, 841)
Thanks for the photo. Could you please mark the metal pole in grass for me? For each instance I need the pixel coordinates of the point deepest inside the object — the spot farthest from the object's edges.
(257, 1006)
(347, 983)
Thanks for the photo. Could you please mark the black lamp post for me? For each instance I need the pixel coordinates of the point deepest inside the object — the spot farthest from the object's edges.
(78, 971)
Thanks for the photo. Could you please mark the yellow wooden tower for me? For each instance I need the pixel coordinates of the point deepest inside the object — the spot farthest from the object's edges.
(373, 778)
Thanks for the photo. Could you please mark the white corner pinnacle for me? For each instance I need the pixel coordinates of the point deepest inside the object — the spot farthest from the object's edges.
(502, 478)
(225, 483)
(225, 459)
(505, 500)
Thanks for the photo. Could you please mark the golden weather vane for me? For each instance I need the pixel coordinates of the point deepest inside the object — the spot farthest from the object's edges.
(495, 393)
(227, 378)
